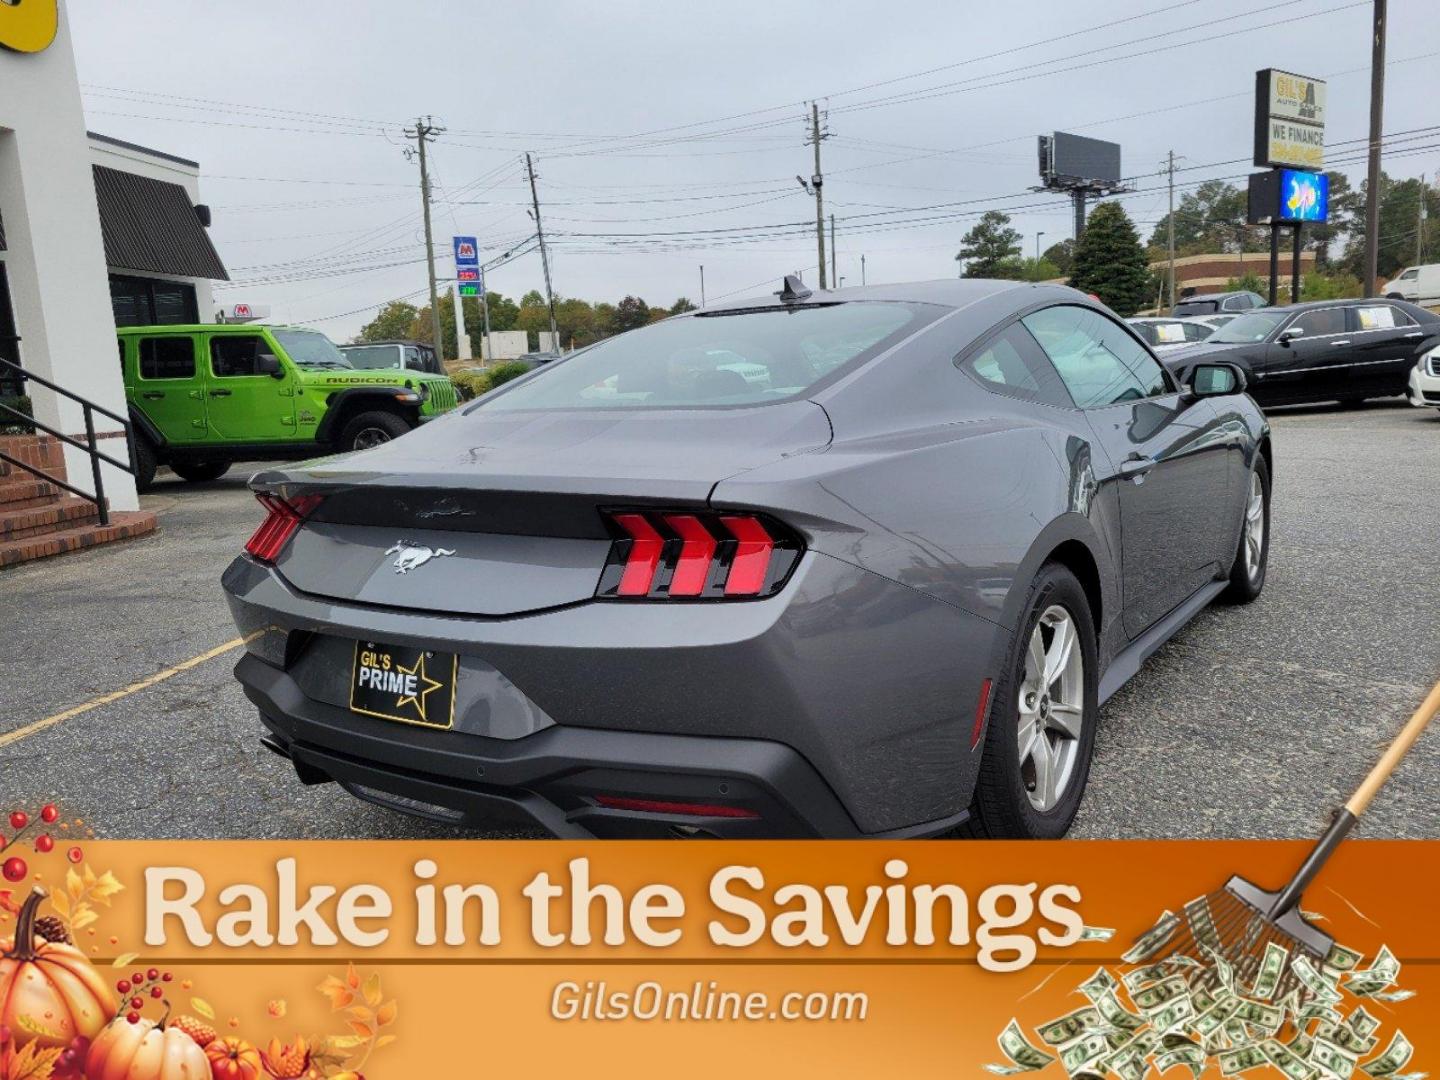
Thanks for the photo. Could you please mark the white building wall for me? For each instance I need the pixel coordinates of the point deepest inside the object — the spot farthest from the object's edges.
(55, 255)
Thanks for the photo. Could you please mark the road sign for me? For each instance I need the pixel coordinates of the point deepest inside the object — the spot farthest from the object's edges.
(467, 252)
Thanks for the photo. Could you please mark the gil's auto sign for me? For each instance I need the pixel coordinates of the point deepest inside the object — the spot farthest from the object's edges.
(1289, 120)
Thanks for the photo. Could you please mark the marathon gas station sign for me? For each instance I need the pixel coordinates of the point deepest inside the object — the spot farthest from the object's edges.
(1289, 120)
(467, 266)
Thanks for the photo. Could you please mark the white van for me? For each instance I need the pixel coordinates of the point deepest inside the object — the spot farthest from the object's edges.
(1418, 284)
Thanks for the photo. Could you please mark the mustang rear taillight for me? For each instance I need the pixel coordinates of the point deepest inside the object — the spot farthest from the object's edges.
(282, 518)
(696, 555)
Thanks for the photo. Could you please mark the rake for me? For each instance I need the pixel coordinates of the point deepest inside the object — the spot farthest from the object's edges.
(1239, 921)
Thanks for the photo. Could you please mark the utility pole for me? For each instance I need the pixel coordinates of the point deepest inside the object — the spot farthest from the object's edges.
(485, 307)
(813, 187)
(702, 284)
(1420, 225)
(834, 271)
(1170, 227)
(862, 269)
(544, 256)
(1037, 250)
(1372, 176)
(424, 132)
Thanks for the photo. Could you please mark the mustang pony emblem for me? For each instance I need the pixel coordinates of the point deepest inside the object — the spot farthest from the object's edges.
(413, 555)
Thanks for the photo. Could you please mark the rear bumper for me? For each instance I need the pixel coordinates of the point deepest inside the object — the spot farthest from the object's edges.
(842, 707)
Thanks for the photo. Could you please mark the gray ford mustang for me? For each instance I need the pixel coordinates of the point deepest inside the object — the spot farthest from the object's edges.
(863, 562)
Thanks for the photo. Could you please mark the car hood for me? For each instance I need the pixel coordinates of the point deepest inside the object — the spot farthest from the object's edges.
(617, 453)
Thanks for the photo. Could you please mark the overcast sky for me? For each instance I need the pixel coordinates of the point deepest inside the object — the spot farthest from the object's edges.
(295, 112)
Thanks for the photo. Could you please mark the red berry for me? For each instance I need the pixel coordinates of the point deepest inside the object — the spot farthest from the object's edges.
(137, 978)
(152, 974)
(157, 992)
(15, 869)
(75, 854)
(137, 1003)
(123, 986)
(166, 977)
(44, 844)
(49, 813)
(19, 819)
(133, 1017)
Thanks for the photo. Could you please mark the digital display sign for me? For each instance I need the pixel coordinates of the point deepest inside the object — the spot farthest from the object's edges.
(1304, 196)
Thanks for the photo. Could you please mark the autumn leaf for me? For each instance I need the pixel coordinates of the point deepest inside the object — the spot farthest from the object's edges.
(341, 1043)
(339, 994)
(203, 1007)
(384, 1040)
(372, 990)
(88, 876)
(352, 977)
(83, 917)
(73, 884)
(105, 887)
(365, 1031)
(124, 959)
(386, 1013)
(35, 1027)
(33, 1063)
(59, 901)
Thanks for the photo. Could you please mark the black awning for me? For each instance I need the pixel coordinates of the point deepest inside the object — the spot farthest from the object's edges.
(151, 225)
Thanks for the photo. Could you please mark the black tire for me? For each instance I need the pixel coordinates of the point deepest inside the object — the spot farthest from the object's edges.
(1002, 808)
(371, 429)
(197, 472)
(1246, 585)
(145, 464)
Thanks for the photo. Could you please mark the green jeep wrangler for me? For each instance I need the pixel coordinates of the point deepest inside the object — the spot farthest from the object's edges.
(202, 397)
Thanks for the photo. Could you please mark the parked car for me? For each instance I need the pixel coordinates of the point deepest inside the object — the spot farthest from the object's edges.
(534, 359)
(405, 355)
(1424, 386)
(201, 397)
(1163, 334)
(883, 592)
(1418, 284)
(1326, 350)
(1235, 303)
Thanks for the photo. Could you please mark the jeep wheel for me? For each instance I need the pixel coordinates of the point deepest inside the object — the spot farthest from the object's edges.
(197, 472)
(371, 429)
(145, 464)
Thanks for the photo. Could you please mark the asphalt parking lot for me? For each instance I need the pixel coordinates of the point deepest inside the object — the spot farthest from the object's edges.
(1253, 722)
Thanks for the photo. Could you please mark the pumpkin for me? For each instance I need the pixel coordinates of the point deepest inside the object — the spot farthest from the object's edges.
(49, 993)
(145, 1051)
(233, 1059)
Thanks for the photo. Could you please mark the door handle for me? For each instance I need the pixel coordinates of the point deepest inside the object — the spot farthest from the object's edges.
(1136, 466)
(1338, 344)
(220, 393)
(1414, 334)
(153, 395)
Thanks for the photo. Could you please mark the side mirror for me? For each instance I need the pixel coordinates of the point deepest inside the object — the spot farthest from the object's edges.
(1290, 333)
(269, 364)
(1216, 380)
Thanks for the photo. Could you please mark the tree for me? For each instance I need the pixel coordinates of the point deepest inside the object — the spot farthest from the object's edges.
(1018, 269)
(503, 313)
(1110, 262)
(395, 321)
(1212, 218)
(1399, 210)
(681, 306)
(630, 313)
(986, 247)
(1061, 255)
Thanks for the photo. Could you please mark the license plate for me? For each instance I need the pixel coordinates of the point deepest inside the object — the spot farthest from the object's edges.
(397, 682)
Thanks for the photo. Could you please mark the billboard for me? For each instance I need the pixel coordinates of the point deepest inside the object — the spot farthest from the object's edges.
(1288, 195)
(1289, 120)
(1070, 158)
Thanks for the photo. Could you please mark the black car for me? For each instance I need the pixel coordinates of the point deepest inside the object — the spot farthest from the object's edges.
(1326, 350)
(1228, 303)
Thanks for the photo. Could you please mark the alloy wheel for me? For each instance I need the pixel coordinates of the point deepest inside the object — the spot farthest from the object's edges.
(370, 437)
(1052, 713)
(1255, 527)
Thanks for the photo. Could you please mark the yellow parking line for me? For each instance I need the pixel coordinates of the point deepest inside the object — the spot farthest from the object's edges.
(135, 687)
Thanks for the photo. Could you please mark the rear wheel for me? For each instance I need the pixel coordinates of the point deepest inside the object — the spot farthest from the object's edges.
(372, 429)
(1041, 734)
(1247, 574)
(198, 472)
(145, 464)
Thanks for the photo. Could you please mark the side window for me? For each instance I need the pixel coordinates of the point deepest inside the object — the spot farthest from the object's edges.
(236, 354)
(412, 359)
(1196, 332)
(1012, 364)
(1235, 303)
(1380, 317)
(167, 358)
(1410, 275)
(1100, 363)
(1321, 321)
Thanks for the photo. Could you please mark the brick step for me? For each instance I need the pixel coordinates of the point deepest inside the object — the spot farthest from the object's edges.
(66, 513)
(123, 526)
(18, 494)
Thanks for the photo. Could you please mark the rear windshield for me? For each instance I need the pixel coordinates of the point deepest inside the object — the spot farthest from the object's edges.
(742, 358)
(370, 357)
(1196, 307)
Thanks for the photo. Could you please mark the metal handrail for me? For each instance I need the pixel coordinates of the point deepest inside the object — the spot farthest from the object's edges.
(89, 409)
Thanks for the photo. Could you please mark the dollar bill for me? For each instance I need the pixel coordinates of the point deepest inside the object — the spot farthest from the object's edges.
(1023, 1057)
(1341, 958)
(1153, 940)
(1223, 971)
(1191, 1056)
(1149, 973)
(1272, 966)
(1381, 973)
(1391, 996)
(1396, 1056)
(1097, 933)
(1361, 1022)
(1287, 1061)
(1333, 1059)
(1202, 923)
(1241, 1058)
(1083, 1052)
(1116, 1015)
(1173, 1015)
(1313, 981)
(1160, 994)
(1302, 1044)
(1102, 982)
(1346, 1037)
(1071, 1026)
(1213, 1019)
(1267, 1017)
